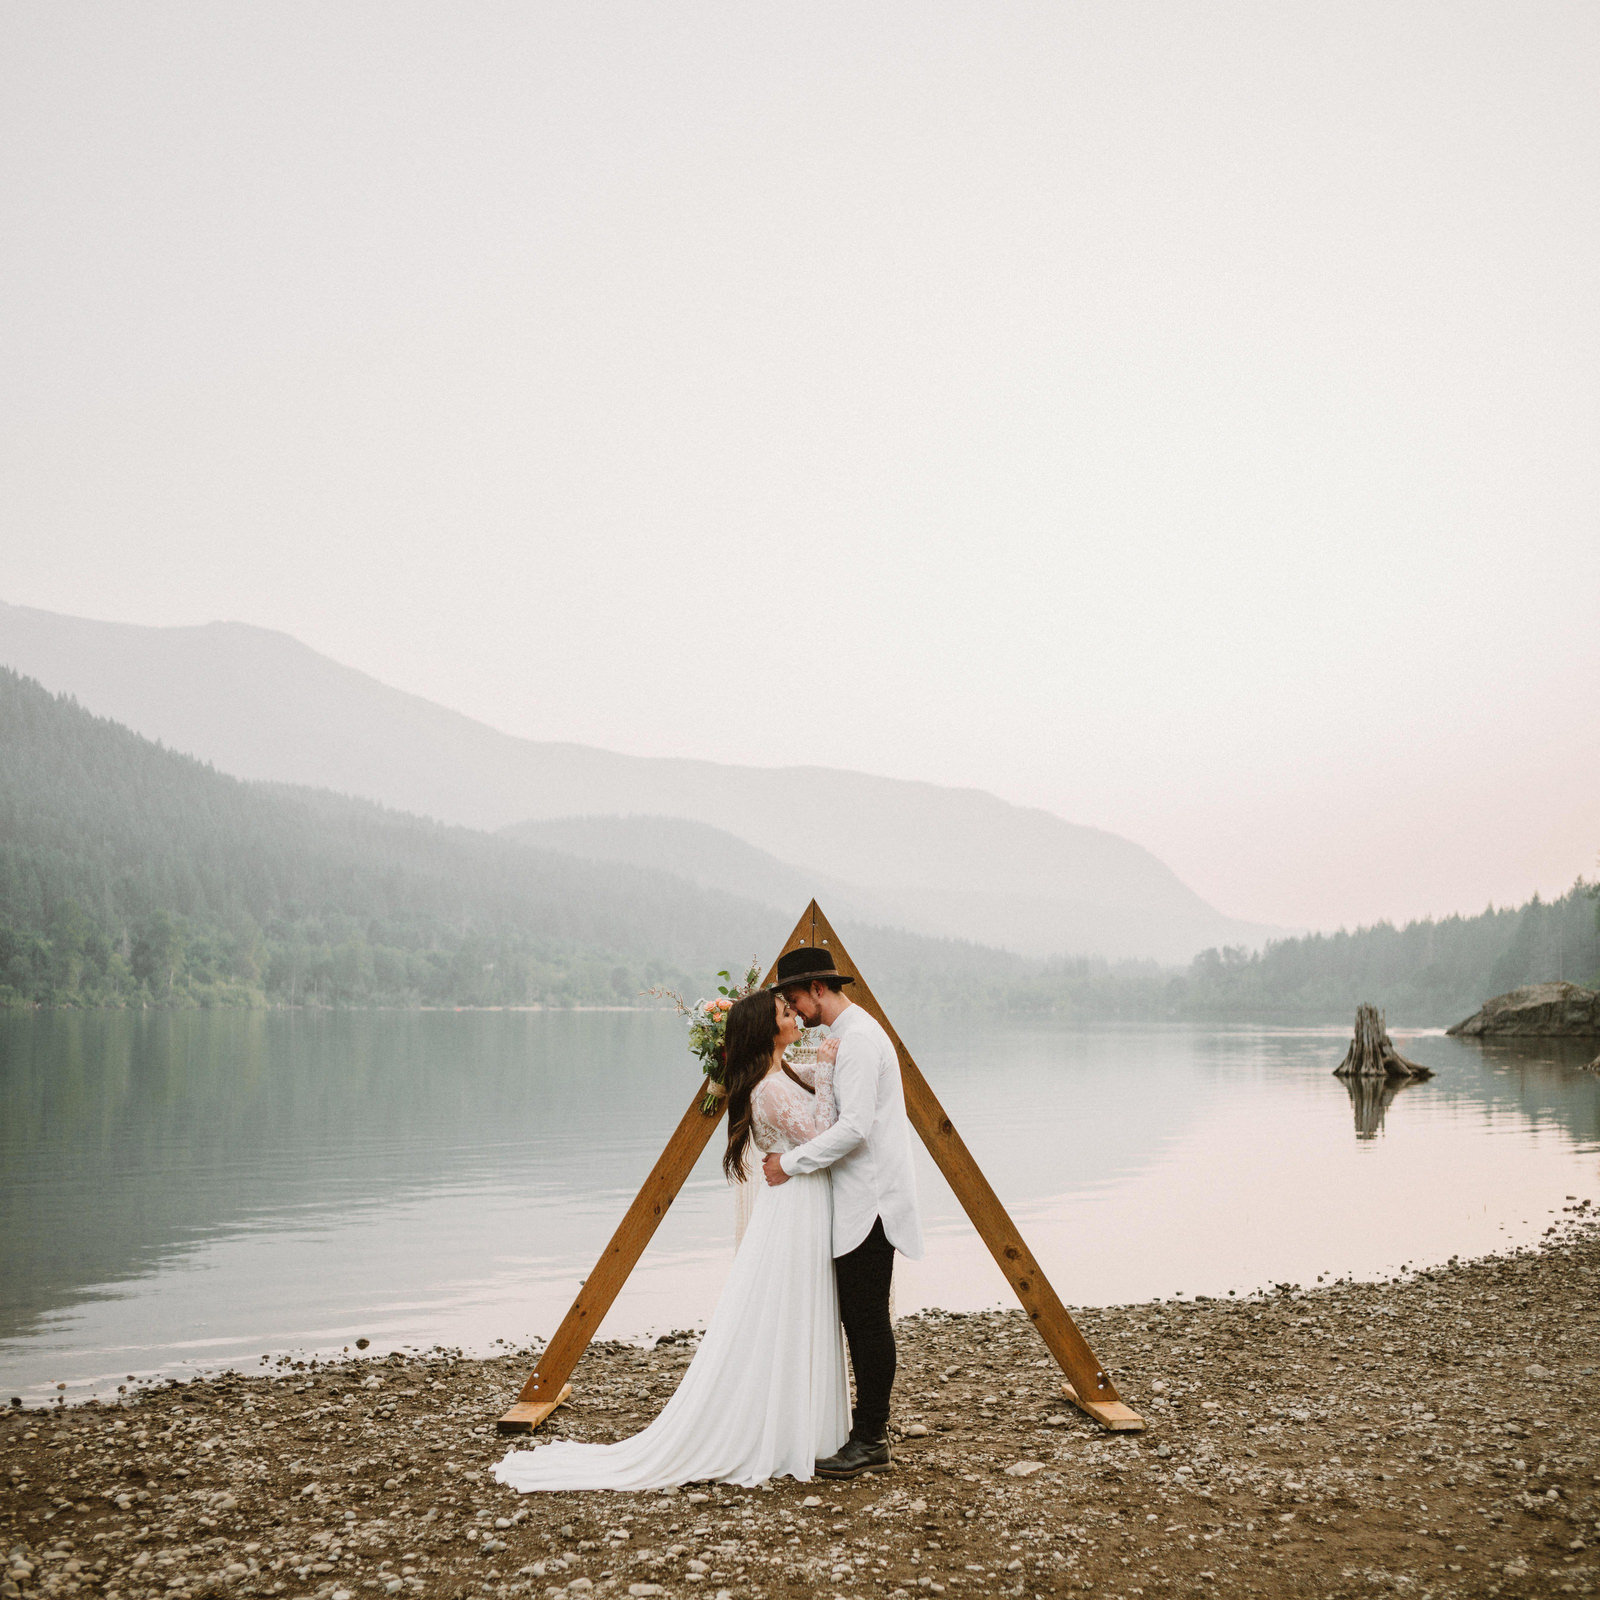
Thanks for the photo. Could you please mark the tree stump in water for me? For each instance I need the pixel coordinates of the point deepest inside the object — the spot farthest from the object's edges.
(1372, 1054)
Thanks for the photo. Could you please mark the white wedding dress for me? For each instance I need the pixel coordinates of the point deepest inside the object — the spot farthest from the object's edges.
(766, 1394)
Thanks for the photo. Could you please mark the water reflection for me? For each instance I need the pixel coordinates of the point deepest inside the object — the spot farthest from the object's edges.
(207, 1187)
(1370, 1098)
(129, 1140)
(1535, 1054)
(1540, 1079)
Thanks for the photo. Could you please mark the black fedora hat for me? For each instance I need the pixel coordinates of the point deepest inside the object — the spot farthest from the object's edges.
(807, 965)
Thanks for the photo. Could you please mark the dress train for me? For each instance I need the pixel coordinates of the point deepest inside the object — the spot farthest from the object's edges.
(766, 1394)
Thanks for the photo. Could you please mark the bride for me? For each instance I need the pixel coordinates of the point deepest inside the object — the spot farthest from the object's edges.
(766, 1394)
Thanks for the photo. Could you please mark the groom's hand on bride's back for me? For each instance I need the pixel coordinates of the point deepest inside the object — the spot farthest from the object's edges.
(772, 1169)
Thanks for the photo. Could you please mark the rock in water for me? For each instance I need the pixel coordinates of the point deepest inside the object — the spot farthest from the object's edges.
(1540, 1008)
(1372, 1053)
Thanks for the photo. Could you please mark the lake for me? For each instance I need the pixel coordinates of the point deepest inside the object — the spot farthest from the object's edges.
(184, 1191)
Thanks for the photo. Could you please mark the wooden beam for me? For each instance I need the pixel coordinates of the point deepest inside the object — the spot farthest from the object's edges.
(1089, 1385)
(547, 1384)
(1112, 1415)
(604, 1283)
(526, 1415)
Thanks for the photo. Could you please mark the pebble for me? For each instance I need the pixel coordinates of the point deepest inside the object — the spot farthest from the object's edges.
(1427, 1452)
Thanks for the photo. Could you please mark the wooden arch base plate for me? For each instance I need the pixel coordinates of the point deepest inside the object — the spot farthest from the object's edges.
(526, 1415)
(1112, 1415)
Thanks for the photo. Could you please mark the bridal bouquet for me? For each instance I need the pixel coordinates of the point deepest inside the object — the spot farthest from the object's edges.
(708, 1022)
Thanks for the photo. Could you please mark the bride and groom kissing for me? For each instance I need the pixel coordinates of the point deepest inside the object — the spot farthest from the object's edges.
(767, 1393)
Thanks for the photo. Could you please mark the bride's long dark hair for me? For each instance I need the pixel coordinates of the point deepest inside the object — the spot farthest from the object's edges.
(748, 1042)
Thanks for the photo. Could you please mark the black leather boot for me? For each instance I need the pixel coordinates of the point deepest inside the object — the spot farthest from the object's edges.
(855, 1456)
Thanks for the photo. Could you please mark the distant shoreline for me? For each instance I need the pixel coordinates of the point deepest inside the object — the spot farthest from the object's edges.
(1335, 1025)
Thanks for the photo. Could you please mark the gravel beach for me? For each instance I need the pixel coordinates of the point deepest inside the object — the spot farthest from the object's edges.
(1431, 1436)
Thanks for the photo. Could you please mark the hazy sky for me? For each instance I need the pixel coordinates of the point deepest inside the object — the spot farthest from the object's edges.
(1186, 417)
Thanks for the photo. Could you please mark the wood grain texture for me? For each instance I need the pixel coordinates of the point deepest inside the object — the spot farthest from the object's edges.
(525, 1416)
(1372, 1053)
(1112, 1415)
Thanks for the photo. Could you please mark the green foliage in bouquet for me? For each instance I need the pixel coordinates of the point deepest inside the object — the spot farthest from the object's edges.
(708, 1026)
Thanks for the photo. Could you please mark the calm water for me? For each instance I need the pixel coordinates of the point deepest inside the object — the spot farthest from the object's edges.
(200, 1189)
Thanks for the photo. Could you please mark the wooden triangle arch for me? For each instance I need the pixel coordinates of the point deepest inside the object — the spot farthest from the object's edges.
(1088, 1385)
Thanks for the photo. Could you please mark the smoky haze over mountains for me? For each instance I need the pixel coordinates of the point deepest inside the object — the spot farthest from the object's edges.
(704, 855)
(1179, 418)
(938, 861)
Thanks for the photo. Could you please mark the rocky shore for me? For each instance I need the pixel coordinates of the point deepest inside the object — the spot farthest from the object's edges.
(1431, 1437)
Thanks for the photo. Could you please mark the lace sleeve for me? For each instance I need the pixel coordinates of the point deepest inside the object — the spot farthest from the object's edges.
(825, 1108)
(789, 1112)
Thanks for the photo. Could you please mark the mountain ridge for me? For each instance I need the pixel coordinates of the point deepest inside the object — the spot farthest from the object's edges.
(135, 874)
(944, 862)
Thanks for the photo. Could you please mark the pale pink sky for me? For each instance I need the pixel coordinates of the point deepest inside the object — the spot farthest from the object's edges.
(1186, 418)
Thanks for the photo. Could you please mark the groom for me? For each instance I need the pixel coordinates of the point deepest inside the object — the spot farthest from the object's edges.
(867, 1154)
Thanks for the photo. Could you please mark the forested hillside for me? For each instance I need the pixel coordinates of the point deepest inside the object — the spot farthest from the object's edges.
(133, 875)
(947, 863)
(130, 873)
(1426, 973)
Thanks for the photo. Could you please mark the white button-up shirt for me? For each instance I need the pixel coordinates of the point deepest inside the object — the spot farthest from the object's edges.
(867, 1151)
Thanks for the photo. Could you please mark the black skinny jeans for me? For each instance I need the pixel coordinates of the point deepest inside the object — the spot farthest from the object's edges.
(864, 1276)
